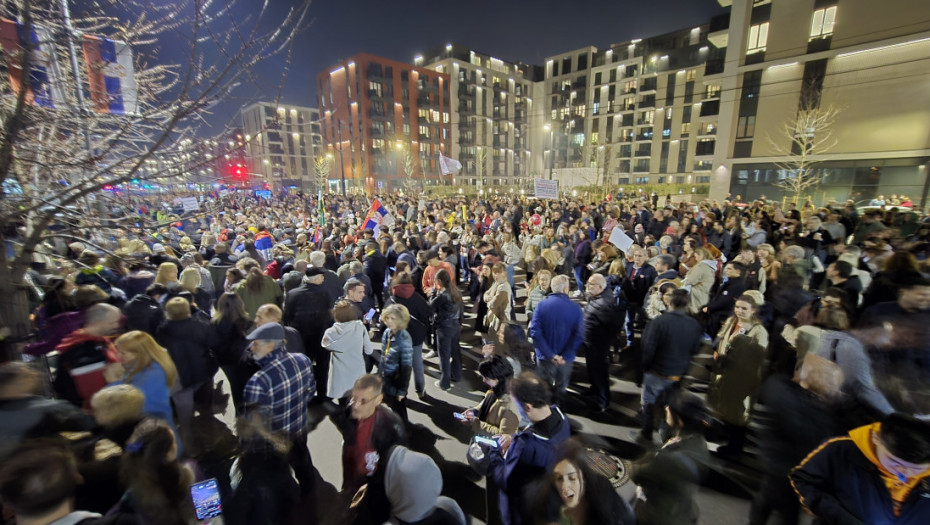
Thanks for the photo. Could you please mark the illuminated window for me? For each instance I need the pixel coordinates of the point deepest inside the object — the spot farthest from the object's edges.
(690, 75)
(822, 22)
(746, 127)
(758, 36)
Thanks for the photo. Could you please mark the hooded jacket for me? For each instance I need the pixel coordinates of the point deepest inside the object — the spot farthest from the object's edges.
(843, 482)
(413, 484)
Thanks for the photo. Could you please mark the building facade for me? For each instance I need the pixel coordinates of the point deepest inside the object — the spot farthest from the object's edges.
(496, 111)
(866, 63)
(384, 124)
(638, 114)
(282, 142)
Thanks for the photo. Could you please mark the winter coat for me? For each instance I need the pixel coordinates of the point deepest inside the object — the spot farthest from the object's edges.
(143, 313)
(602, 321)
(82, 358)
(347, 342)
(396, 362)
(266, 491)
(699, 282)
(405, 294)
(636, 288)
(738, 377)
(308, 309)
(843, 482)
(136, 282)
(34, 417)
(495, 415)
(669, 343)
(533, 298)
(532, 454)
(720, 305)
(499, 299)
(669, 482)
(557, 328)
(189, 342)
(446, 312)
(268, 293)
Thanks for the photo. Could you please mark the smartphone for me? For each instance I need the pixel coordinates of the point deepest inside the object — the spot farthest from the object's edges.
(459, 416)
(370, 315)
(487, 441)
(206, 498)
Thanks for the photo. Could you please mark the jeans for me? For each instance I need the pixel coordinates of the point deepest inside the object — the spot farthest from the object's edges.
(511, 269)
(450, 356)
(581, 275)
(419, 380)
(655, 392)
(558, 376)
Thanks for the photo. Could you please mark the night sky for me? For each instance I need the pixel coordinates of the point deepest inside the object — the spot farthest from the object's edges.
(511, 30)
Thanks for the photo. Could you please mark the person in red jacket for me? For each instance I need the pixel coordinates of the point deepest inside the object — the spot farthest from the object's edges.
(84, 354)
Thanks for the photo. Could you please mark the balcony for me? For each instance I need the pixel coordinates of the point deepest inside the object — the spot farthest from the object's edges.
(643, 152)
(710, 108)
(641, 168)
(629, 91)
(705, 148)
(714, 67)
(648, 85)
(644, 136)
(719, 30)
(628, 138)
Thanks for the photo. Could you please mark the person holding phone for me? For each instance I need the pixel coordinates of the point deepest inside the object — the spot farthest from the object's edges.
(494, 415)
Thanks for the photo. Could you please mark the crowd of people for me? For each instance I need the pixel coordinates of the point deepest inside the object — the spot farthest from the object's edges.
(792, 340)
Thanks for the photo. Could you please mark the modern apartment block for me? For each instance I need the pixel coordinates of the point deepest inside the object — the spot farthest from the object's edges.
(640, 112)
(281, 143)
(384, 123)
(497, 116)
(867, 61)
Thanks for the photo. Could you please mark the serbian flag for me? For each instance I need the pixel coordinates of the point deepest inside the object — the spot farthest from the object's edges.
(317, 236)
(43, 87)
(111, 75)
(449, 166)
(376, 217)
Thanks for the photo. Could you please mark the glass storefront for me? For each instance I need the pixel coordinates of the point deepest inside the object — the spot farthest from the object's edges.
(858, 180)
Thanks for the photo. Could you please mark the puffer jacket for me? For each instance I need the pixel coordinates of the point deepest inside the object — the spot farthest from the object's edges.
(189, 342)
(602, 321)
(396, 362)
(445, 311)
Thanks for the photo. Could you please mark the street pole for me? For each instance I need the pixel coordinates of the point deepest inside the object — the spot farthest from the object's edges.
(82, 108)
(342, 162)
(551, 152)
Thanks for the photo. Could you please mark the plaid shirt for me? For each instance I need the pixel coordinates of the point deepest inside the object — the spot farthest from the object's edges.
(283, 387)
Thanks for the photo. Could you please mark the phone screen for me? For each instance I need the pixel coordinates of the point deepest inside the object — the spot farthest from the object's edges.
(486, 441)
(459, 416)
(370, 314)
(206, 498)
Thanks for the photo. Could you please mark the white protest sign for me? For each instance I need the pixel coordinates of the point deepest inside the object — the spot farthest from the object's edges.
(546, 189)
(190, 204)
(620, 239)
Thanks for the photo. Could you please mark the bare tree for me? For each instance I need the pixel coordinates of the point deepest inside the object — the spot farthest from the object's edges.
(62, 157)
(809, 134)
(322, 167)
(605, 167)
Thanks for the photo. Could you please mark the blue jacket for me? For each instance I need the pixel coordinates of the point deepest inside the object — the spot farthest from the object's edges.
(396, 363)
(557, 327)
(153, 383)
(531, 456)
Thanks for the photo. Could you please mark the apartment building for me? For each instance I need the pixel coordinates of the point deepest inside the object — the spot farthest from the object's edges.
(640, 112)
(867, 62)
(497, 116)
(384, 123)
(281, 143)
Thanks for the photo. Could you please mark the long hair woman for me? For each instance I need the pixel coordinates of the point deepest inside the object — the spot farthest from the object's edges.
(231, 323)
(157, 485)
(494, 415)
(446, 304)
(257, 288)
(148, 367)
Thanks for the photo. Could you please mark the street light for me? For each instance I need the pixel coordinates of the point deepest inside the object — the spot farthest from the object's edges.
(548, 128)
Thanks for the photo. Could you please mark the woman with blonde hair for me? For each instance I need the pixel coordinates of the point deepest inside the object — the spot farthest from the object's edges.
(167, 274)
(539, 288)
(190, 281)
(770, 265)
(147, 366)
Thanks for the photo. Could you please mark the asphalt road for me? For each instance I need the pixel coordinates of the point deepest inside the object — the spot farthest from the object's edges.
(724, 499)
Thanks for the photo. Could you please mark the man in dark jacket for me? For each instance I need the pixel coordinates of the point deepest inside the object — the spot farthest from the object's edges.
(84, 354)
(530, 454)
(375, 267)
(331, 283)
(188, 339)
(877, 474)
(308, 309)
(640, 277)
(144, 312)
(669, 343)
(602, 321)
(369, 429)
(665, 268)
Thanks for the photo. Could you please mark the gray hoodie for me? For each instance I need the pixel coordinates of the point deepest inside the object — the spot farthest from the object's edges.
(347, 342)
(413, 482)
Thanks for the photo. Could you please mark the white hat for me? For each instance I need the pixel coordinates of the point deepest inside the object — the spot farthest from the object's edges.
(158, 248)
